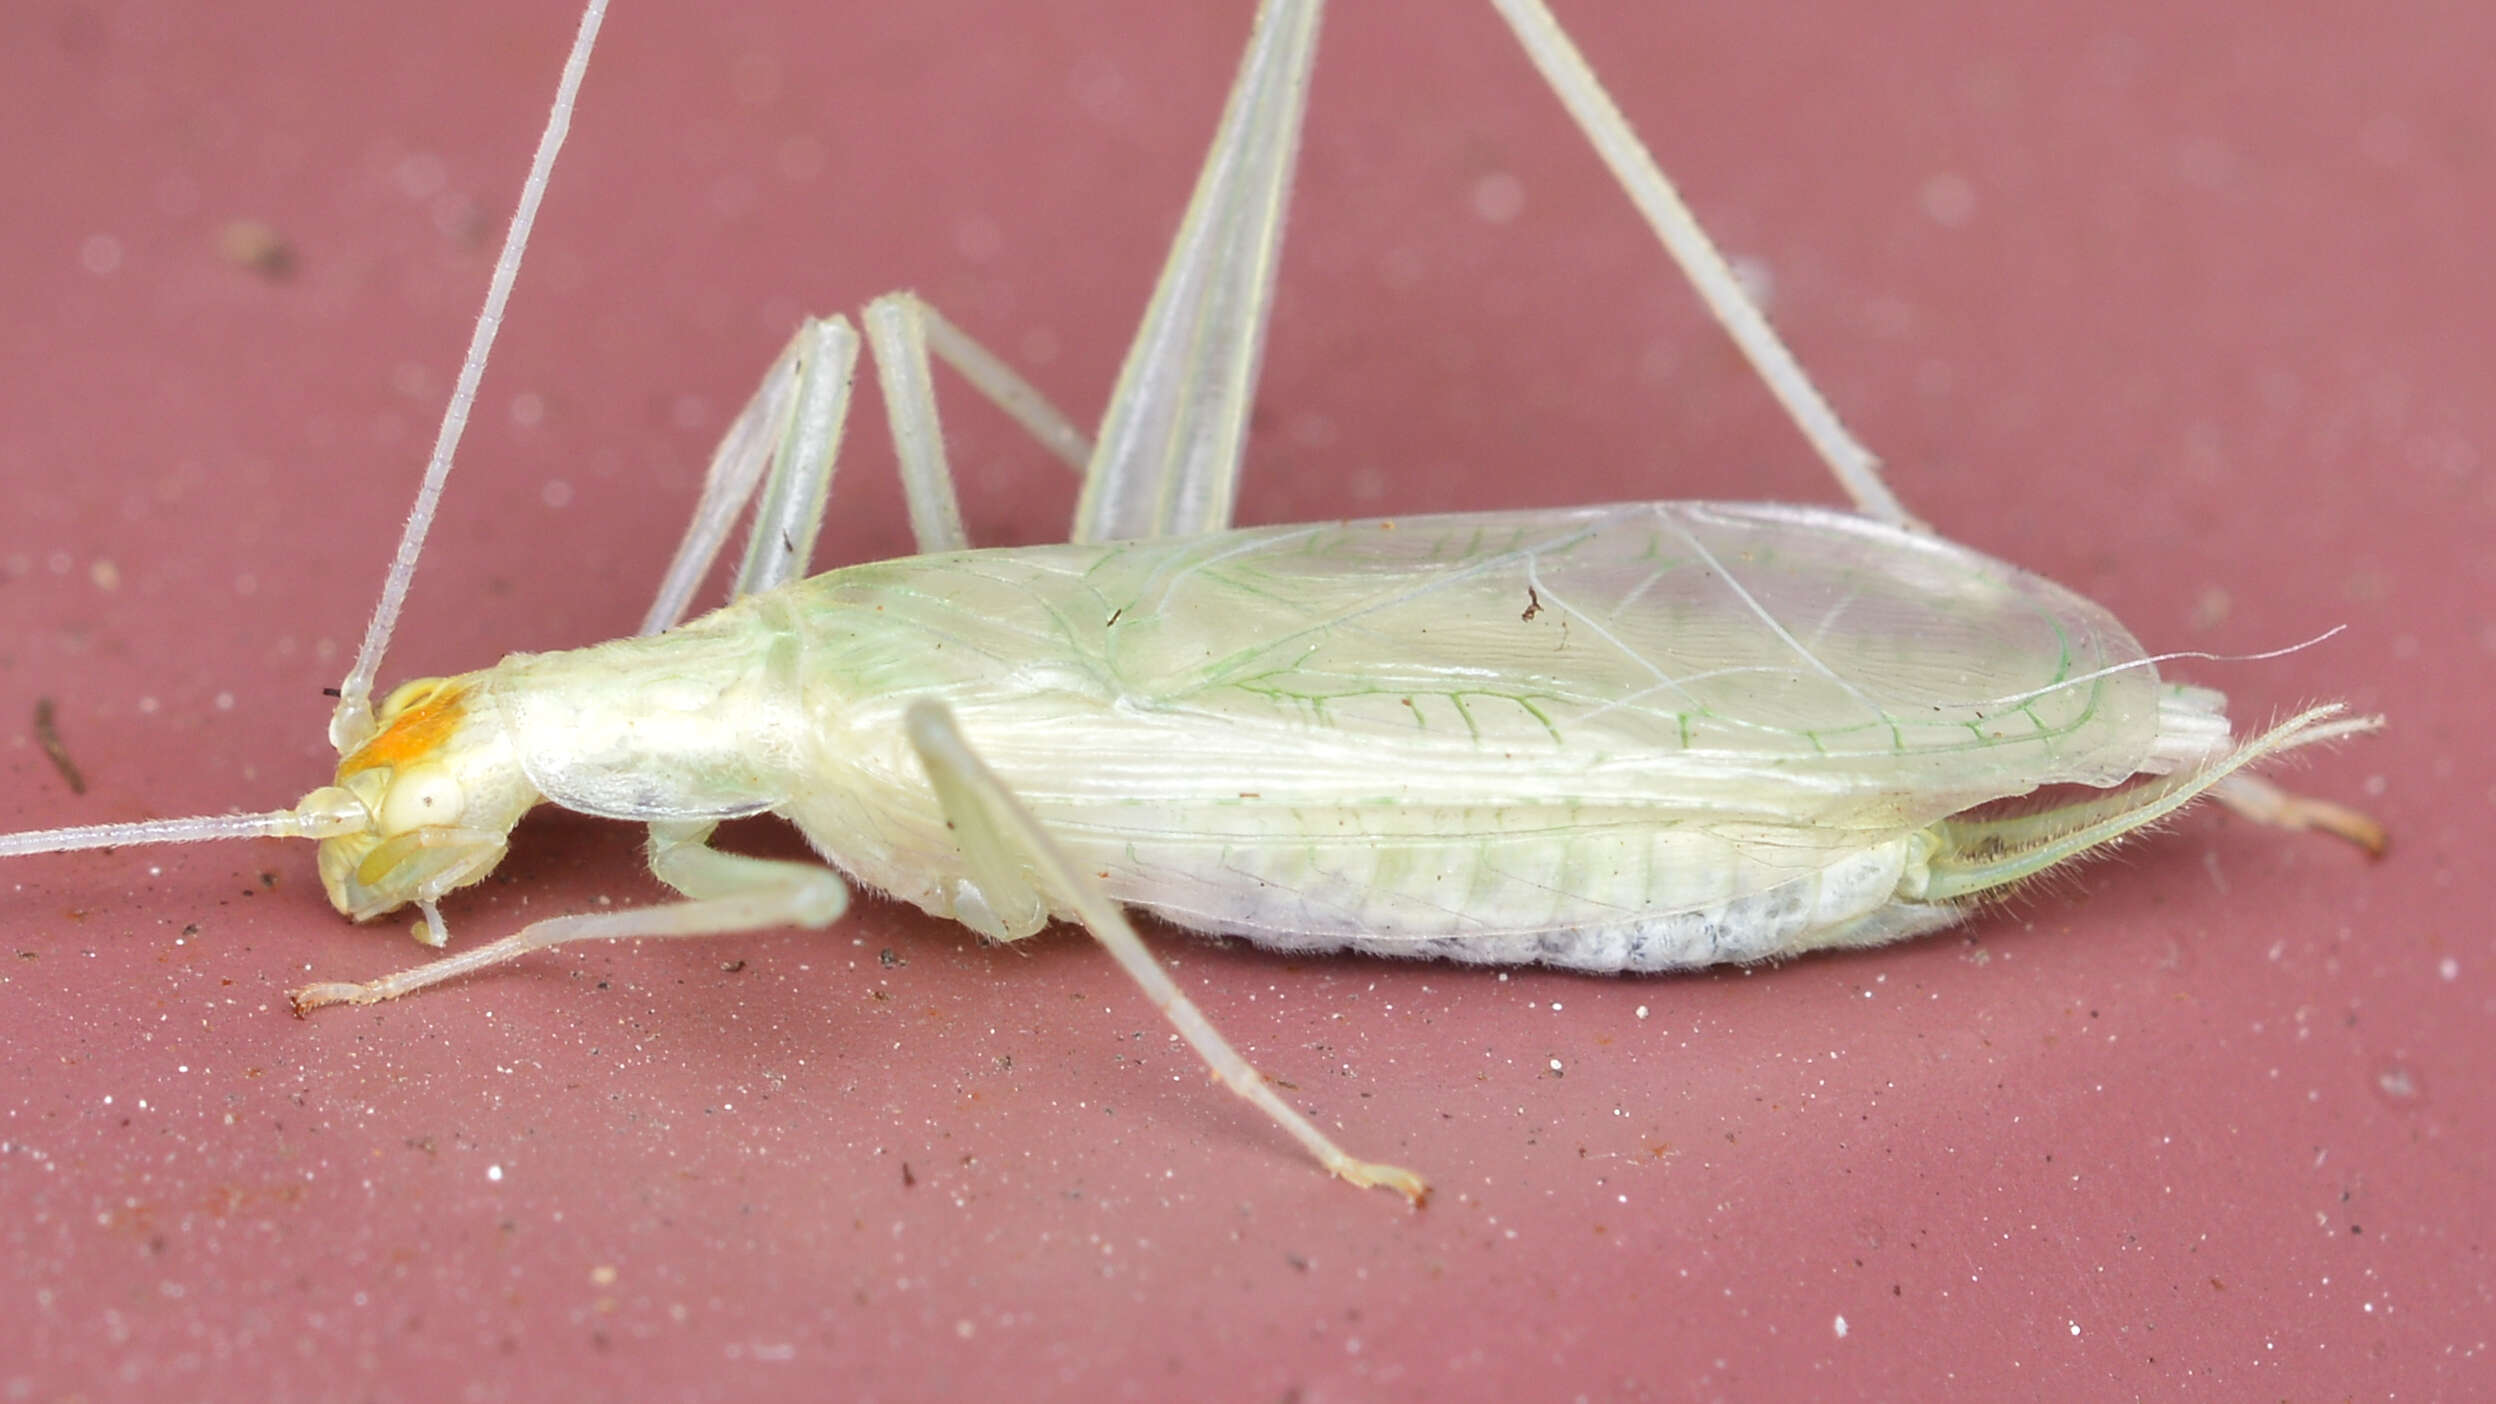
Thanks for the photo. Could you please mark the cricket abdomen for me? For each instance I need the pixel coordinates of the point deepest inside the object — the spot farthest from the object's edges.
(1601, 897)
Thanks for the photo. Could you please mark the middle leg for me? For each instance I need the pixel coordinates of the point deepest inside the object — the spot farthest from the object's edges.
(1016, 862)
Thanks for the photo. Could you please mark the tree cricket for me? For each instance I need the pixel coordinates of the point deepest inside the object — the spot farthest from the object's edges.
(1619, 738)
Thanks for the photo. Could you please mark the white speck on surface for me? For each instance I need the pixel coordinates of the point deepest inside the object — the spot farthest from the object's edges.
(2449, 968)
(1642, 1011)
(1498, 198)
(2075, 1328)
(1840, 1327)
(1040, 346)
(494, 1173)
(1948, 199)
(978, 239)
(420, 174)
(1758, 280)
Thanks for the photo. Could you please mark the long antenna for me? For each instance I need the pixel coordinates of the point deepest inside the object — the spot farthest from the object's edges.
(323, 814)
(351, 725)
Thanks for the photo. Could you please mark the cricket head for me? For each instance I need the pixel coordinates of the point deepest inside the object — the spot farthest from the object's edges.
(428, 802)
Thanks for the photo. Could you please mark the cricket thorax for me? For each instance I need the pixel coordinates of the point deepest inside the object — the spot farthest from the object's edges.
(441, 788)
(702, 722)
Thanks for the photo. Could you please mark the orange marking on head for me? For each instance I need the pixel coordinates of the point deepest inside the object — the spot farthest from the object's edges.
(415, 733)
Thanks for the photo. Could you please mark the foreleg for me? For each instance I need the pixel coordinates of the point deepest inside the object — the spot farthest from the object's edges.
(726, 892)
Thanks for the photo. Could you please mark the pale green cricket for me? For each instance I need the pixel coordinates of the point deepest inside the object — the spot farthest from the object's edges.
(1643, 737)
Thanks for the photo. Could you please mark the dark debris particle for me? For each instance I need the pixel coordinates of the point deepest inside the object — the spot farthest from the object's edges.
(251, 244)
(48, 737)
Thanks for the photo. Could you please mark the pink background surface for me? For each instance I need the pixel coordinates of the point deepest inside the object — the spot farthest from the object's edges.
(2185, 305)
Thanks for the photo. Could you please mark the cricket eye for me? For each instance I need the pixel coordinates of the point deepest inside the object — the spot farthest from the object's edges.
(419, 797)
(405, 696)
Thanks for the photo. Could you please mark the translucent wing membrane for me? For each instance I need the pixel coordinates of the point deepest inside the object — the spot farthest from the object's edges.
(1795, 664)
